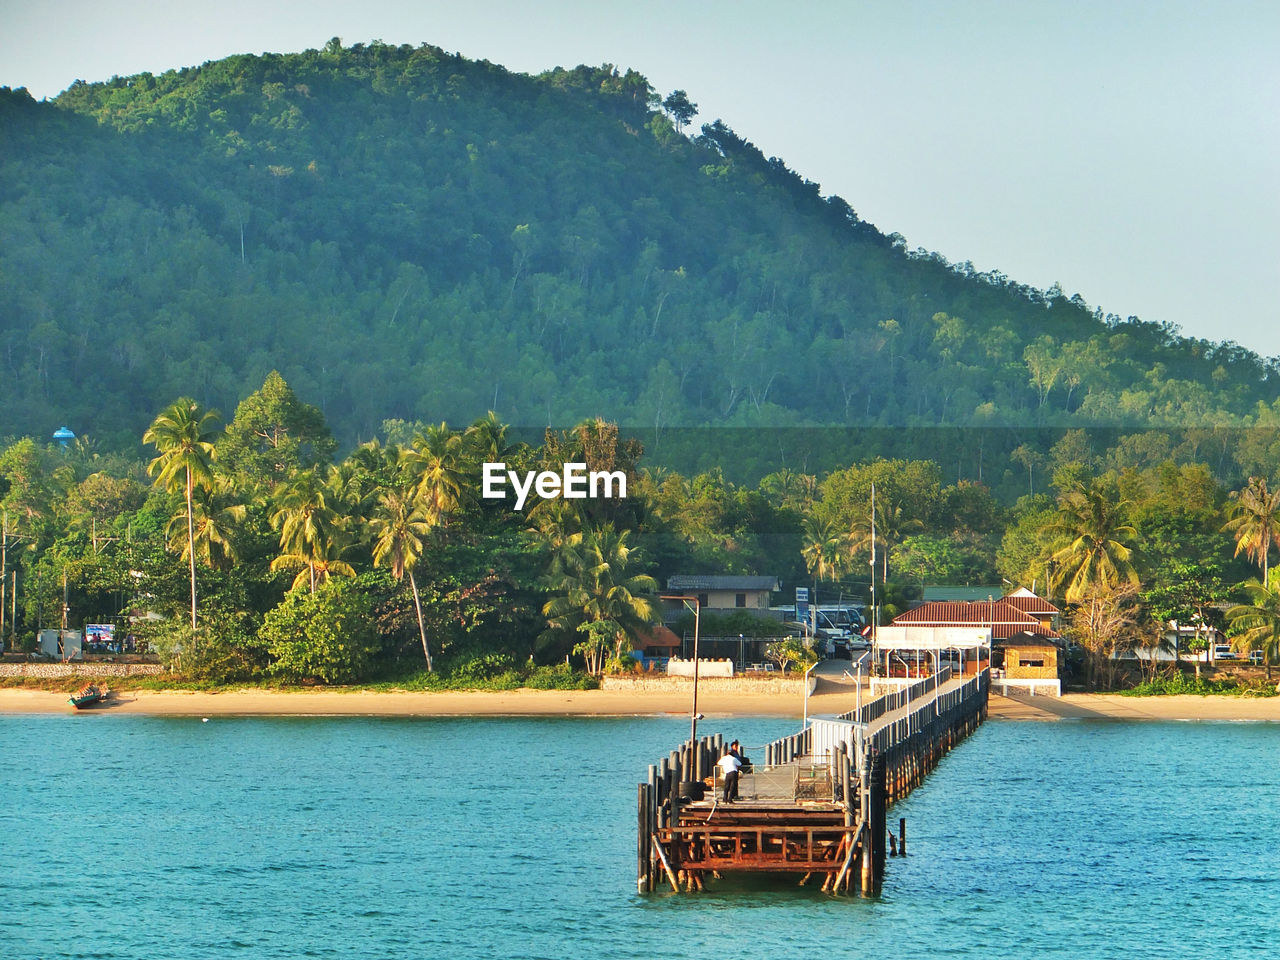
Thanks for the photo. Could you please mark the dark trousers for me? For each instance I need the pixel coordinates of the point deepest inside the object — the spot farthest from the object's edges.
(731, 785)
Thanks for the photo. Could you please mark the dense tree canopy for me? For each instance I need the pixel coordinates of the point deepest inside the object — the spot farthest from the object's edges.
(394, 541)
(402, 232)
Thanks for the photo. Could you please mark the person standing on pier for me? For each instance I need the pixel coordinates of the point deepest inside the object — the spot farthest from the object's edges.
(729, 765)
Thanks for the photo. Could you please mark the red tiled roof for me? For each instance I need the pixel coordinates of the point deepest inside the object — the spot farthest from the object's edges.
(1032, 604)
(1004, 619)
(659, 636)
(1026, 639)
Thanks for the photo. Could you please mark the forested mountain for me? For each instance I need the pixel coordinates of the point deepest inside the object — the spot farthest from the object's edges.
(404, 233)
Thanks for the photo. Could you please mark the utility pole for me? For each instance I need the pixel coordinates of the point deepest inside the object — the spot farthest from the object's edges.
(62, 654)
(4, 571)
(875, 616)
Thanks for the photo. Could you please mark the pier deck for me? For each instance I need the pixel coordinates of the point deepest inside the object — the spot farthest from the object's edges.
(816, 806)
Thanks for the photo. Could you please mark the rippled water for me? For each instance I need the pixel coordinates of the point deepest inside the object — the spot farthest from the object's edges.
(148, 838)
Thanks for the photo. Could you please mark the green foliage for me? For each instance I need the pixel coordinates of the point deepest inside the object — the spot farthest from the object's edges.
(531, 245)
(596, 592)
(924, 559)
(327, 635)
(792, 653)
(1255, 625)
(895, 598)
(274, 434)
(490, 581)
(1097, 552)
(1177, 684)
(559, 676)
(484, 667)
(732, 624)
(224, 649)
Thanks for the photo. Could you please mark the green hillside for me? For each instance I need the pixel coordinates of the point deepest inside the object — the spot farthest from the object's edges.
(404, 233)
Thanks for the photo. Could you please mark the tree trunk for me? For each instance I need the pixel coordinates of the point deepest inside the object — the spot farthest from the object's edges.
(422, 630)
(191, 553)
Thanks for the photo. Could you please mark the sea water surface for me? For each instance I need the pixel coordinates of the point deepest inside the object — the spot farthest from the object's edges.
(141, 837)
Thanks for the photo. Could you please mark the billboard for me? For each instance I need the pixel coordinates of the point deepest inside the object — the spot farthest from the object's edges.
(100, 638)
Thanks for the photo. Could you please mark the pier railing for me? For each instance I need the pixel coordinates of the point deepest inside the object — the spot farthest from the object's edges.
(928, 710)
(889, 702)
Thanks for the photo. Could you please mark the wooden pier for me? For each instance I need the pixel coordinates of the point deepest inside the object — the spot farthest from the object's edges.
(817, 806)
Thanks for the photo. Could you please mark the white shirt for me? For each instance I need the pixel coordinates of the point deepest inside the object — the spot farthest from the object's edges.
(729, 763)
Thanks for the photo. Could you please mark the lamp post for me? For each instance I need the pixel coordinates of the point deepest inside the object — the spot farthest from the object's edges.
(694, 604)
(806, 693)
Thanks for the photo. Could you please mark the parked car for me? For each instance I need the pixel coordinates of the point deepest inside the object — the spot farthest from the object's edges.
(1255, 656)
(1223, 651)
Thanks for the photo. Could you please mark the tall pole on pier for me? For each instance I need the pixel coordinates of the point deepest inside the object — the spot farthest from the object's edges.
(875, 614)
(694, 604)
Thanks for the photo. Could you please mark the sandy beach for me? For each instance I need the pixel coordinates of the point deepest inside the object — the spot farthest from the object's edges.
(1076, 706)
(397, 704)
(1113, 706)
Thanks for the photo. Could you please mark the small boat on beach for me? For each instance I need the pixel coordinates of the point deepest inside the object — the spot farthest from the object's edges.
(88, 695)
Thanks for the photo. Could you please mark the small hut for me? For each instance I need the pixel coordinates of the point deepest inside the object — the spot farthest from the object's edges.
(658, 642)
(1031, 656)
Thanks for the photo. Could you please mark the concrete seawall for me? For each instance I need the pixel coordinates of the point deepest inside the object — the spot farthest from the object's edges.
(58, 671)
(782, 686)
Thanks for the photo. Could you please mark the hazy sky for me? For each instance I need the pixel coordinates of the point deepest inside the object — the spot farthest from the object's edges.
(1126, 150)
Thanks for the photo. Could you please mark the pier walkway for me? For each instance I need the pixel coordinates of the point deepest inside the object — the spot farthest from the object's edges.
(817, 805)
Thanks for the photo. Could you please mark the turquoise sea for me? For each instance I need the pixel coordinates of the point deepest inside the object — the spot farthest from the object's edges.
(150, 838)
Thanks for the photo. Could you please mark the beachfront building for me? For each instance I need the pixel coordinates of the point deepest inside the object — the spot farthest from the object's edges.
(1040, 608)
(1192, 641)
(657, 643)
(1031, 661)
(913, 650)
(1020, 616)
(721, 594)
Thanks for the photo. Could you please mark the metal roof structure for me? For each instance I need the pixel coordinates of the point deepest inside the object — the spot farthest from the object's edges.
(1003, 618)
(684, 582)
(903, 637)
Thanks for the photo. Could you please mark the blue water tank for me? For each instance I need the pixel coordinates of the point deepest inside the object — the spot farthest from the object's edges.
(64, 436)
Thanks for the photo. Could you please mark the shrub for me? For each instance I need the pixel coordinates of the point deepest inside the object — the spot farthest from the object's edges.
(327, 635)
(1200, 686)
(487, 666)
(559, 677)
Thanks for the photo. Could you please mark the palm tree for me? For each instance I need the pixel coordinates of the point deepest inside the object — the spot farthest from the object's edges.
(598, 596)
(487, 439)
(824, 549)
(400, 526)
(310, 528)
(183, 437)
(1254, 518)
(321, 561)
(1097, 554)
(434, 462)
(554, 525)
(1258, 622)
(214, 522)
